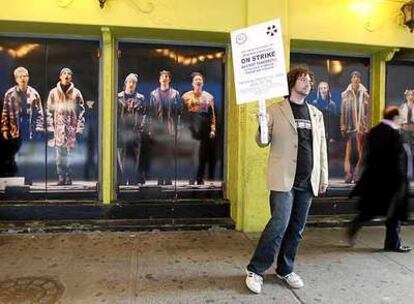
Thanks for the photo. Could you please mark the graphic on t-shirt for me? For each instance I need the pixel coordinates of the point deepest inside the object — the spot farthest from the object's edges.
(303, 124)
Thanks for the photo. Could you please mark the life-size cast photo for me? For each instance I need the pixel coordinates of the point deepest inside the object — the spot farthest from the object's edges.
(166, 107)
(132, 112)
(22, 116)
(65, 120)
(407, 128)
(354, 125)
(327, 106)
(200, 117)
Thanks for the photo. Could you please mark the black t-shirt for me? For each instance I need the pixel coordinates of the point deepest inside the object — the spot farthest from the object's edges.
(304, 163)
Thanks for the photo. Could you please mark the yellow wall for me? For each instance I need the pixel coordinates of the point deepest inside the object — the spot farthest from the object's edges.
(368, 27)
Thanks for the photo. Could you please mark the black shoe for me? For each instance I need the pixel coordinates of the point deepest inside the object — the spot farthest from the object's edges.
(401, 249)
(141, 181)
(68, 181)
(200, 181)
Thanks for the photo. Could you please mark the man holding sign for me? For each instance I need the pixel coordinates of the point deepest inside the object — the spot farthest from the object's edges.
(297, 171)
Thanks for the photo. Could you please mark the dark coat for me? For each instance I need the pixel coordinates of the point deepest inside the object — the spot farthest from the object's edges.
(383, 183)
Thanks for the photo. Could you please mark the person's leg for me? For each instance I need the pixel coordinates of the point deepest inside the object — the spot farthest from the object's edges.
(202, 160)
(392, 235)
(60, 164)
(408, 151)
(347, 160)
(290, 243)
(68, 170)
(281, 207)
(360, 142)
(357, 223)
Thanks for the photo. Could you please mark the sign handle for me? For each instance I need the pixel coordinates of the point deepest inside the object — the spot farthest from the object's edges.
(264, 130)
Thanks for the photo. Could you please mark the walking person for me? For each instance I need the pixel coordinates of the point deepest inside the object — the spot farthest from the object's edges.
(383, 187)
(297, 171)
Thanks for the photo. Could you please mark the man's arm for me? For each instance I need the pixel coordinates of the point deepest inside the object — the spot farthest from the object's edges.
(5, 118)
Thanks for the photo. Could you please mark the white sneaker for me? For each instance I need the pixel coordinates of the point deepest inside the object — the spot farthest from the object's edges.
(292, 279)
(254, 282)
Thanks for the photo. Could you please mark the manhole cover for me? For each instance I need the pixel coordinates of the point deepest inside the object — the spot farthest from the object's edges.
(28, 290)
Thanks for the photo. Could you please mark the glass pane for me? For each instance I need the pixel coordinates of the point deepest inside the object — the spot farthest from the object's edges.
(344, 101)
(161, 143)
(72, 112)
(42, 118)
(400, 92)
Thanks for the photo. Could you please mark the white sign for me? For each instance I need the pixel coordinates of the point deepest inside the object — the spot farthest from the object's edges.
(259, 62)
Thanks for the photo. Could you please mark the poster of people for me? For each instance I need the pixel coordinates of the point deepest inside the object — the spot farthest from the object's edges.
(49, 118)
(341, 92)
(400, 92)
(170, 106)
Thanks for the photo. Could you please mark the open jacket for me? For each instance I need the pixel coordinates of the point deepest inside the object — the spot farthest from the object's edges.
(354, 110)
(167, 111)
(10, 116)
(65, 115)
(283, 141)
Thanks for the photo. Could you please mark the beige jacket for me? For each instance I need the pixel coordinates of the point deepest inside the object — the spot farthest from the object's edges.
(283, 140)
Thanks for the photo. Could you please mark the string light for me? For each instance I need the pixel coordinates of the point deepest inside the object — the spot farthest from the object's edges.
(189, 60)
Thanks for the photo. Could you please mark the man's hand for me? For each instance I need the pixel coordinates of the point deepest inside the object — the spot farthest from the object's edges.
(5, 135)
(259, 116)
(212, 134)
(323, 188)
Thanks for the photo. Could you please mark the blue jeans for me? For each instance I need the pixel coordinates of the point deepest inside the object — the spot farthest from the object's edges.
(284, 229)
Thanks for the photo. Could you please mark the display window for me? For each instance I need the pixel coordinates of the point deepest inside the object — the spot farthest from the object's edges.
(49, 118)
(400, 92)
(341, 92)
(170, 118)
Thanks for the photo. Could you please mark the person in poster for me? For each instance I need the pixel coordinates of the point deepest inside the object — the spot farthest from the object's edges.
(354, 125)
(407, 128)
(201, 118)
(65, 119)
(132, 112)
(166, 107)
(22, 114)
(327, 106)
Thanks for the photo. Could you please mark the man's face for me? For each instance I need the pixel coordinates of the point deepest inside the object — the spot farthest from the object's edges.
(22, 79)
(130, 85)
(410, 96)
(165, 79)
(198, 82)
(303, 85)
(355, 80)
(397, 120)
(65, 78)
(323, 89)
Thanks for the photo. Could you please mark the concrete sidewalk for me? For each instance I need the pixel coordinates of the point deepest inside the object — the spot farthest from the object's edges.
(197, 267)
